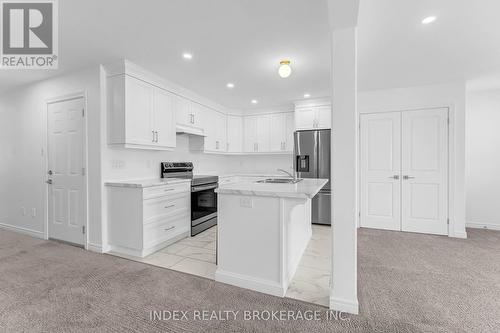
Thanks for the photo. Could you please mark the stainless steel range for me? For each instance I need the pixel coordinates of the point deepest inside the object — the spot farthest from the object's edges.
(203, 196)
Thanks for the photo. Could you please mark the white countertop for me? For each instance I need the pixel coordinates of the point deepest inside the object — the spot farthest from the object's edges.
(142, 183)
(306, 188)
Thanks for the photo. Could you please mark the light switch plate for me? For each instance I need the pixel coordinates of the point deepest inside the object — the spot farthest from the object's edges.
(246, 202)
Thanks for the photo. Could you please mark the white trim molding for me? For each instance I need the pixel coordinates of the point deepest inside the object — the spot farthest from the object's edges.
(94, 247)
(25, 231)
(344, 305)
(248, 282)
(481, 225)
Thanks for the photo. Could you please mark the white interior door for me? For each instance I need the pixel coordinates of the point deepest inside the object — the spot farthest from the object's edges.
(425, 171)
(380, 165)
(66, 193)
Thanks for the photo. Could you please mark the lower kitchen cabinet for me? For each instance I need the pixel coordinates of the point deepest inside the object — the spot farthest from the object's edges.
(144, 220)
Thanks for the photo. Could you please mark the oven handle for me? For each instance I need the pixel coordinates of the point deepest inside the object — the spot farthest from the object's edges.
(203, 188)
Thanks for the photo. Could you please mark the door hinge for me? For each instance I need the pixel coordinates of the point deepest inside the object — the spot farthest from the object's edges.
(83, 230)
(448, 121)
(83, 171)
(83, 112)
(448, 221)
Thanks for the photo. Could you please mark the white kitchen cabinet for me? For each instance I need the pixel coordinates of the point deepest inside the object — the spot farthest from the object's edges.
(189, 113)
(215, 131)
(313, 117)
(256, 134)
(139, 114)
(234, 134)
(250, 134)
(144, 220)
(164, 118)
(281, 132)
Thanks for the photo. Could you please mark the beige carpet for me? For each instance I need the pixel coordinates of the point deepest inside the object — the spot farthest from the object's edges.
(407, 283)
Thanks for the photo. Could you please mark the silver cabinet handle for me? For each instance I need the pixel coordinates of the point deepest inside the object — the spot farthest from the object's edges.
(408, 177)
(153, 132)
(156, 132)
(394, 177)
(169, 206)
(170, 228)
(168, 189)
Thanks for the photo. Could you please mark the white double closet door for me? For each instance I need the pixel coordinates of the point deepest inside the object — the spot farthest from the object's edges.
(404, 171)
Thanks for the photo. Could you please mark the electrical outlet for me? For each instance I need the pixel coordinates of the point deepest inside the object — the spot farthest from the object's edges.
(246, 202)
(117, 164)
(33, 212)
(23, 211)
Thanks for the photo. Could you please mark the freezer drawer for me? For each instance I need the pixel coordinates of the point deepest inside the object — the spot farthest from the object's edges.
(321, 208)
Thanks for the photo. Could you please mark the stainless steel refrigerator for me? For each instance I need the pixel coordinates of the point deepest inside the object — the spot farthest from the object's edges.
(312, 160)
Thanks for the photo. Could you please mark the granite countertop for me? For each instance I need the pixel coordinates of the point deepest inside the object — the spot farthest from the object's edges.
(306, 188)
(142, 183)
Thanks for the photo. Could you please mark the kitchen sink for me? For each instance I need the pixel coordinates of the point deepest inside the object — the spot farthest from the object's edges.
(279, 181)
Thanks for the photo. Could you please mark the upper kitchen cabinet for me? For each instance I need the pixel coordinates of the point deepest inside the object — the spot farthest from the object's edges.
(189, 116)
(215, 131)
(140, 115)
(313, 115)
(281, 132)
(234, 134)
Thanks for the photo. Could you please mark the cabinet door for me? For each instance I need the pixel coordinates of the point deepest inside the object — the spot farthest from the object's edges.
(263, 133)
(164, 118)
(197, 115)
(324, 117)
(305, 118)
(139, 112)
(234, 134)
(250, 134)
(182, 111)
(221, 132)
(289, 129)
(277, 132)
(210, 129)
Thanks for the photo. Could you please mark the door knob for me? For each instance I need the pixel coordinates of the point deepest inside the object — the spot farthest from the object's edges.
(408, 177)
(394, 177)
(49, 181)
(50, 172)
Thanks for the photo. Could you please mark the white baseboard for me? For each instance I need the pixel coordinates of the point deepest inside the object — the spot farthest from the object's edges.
(458, 234)
(344, 305)
(26, 231)
(478, 225)
(94, 247)
(248, 282)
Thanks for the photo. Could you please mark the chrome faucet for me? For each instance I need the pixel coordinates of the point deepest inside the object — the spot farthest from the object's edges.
(294, 176)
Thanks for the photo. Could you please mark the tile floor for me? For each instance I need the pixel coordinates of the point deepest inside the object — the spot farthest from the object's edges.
(196, 255)
(311, 282)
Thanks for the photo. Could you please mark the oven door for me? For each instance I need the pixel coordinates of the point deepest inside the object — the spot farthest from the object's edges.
(203, 208)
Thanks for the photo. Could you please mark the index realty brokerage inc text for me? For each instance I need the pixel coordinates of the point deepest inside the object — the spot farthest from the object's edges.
(247, 315)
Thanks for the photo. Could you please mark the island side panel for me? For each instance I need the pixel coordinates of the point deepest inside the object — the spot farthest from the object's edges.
(249, 243)
(297, 234)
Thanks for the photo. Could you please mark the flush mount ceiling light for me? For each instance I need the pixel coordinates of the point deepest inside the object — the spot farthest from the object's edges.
(254, 101)
(307, 95)
(230, 85)
(285, 70)
(429, 19)
(187, 56)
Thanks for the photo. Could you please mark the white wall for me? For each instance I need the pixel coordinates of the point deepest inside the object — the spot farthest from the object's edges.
(445, 95)
(483, 159)
(23, 170)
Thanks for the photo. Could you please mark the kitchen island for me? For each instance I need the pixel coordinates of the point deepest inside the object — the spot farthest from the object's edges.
(263, 230)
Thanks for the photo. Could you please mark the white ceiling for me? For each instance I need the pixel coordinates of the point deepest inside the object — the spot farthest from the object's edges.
(396, 50)
(242, 41)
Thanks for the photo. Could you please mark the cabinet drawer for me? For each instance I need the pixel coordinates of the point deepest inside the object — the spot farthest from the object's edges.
(159, 191)
(166, 206)
(163, 230)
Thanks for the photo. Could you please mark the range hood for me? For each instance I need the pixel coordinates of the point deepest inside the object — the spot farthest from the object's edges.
(183, 129)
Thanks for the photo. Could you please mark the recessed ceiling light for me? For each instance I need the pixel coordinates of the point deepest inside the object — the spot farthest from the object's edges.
(307, 95)
(188, 56)
(254, 101)
(429, 19)
(230, 85)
